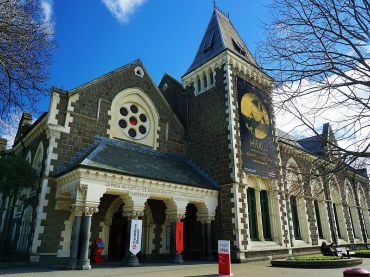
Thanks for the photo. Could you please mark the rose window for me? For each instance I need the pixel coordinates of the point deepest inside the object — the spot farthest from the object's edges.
(133, 121)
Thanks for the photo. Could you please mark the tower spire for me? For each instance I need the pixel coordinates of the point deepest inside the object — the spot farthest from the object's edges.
(214, 4)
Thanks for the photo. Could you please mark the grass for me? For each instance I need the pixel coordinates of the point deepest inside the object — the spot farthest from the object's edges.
(314, 258)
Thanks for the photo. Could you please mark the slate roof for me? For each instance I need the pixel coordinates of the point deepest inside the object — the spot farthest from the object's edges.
(141, 161)
(220, 36)
(288, 138)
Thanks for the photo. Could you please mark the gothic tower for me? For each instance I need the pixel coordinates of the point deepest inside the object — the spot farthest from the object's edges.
(231, 135)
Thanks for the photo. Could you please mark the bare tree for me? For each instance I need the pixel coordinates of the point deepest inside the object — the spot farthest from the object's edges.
(318, 51)
(26, 43)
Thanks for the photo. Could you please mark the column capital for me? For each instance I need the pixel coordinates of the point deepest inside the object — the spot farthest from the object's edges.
(79, 210)
(175, 217)
(206, 218)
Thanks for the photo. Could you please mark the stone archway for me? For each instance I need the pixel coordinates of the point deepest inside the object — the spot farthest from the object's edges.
(117, 236)
(192, 233)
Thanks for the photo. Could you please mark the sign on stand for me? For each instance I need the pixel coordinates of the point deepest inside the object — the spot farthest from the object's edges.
(224, 260)
(179, 237)
(135, 236)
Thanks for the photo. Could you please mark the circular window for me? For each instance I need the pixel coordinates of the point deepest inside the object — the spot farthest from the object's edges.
(133, 121)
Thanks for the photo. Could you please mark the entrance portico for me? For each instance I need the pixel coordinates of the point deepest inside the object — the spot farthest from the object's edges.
(85, 188)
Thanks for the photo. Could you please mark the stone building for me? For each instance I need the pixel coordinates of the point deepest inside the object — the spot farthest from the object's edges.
(204, 151)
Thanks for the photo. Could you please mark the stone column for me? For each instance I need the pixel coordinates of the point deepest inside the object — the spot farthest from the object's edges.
(204, 241)
(259, 215)
(72, 263)
(83, 256)
(173, 218)
(130, 259)
(206, 222)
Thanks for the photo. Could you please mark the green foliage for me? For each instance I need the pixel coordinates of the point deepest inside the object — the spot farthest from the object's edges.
(314, 258)
(365, 251)
(15, 173)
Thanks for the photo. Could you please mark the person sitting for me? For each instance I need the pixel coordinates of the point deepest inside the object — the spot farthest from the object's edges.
(326, 249)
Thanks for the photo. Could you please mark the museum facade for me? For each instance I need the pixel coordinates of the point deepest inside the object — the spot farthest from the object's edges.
(204, 151)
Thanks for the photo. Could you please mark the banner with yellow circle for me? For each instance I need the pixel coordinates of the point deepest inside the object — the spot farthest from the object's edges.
(258, 149)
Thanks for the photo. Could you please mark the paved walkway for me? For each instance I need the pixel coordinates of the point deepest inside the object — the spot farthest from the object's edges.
(188, 270)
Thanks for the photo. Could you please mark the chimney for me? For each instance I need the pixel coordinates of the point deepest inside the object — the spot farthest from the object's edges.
(3, 143)
(26, 119)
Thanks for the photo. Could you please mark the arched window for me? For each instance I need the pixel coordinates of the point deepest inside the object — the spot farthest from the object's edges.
(337, 207)
(24, 234)
(29, 157)
(39, 156)
(205, 83)
(364, 209)
(352, 210)
(199, 85)
(134, 118)
(321, 211)
(211, 77)
(263, 212)
(297, 203)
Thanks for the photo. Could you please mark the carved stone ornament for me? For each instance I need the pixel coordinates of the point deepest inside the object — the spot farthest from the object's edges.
(206, 219)
(77, 210)
(83, 188)
(133, 214)
(175, 217)
(84, 210)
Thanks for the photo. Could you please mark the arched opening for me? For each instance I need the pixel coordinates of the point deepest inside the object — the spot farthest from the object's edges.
(192, 233)
(199, 85)
(24, 234)
(118, 236)
(211, 77)
(205, 82)
(147, 234)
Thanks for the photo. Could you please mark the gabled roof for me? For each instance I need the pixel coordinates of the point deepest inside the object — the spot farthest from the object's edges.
(220, 36)
(141, 161)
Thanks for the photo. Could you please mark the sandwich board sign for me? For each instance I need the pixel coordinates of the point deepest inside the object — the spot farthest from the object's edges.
(135, 236)
(224, 260)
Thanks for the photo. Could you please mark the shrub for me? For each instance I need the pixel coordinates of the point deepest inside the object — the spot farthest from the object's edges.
(314, 258)
(366, 251)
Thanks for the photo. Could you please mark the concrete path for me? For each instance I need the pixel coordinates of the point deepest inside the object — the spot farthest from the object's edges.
(188, 270)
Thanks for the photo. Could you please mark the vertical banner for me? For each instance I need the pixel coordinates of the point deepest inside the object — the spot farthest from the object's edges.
(255, 113)
(179, 237)
(224, 260)
(135, 236)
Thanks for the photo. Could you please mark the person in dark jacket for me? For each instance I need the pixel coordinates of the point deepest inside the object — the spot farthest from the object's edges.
(326, 249)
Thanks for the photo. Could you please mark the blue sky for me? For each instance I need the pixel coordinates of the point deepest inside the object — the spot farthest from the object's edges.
(93, 39)
(96, 37)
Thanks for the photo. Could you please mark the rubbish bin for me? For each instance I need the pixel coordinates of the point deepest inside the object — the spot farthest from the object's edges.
(356, 272)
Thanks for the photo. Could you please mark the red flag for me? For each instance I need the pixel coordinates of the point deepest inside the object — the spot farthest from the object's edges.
(179, 237)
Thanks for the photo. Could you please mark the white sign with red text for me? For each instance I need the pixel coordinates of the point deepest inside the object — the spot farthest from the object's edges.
(224, 260)
(135, 236)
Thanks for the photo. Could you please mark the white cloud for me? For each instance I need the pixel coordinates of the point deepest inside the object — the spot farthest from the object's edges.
(123, 9)
(47, 8)
(318, 105)
(10, 128)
